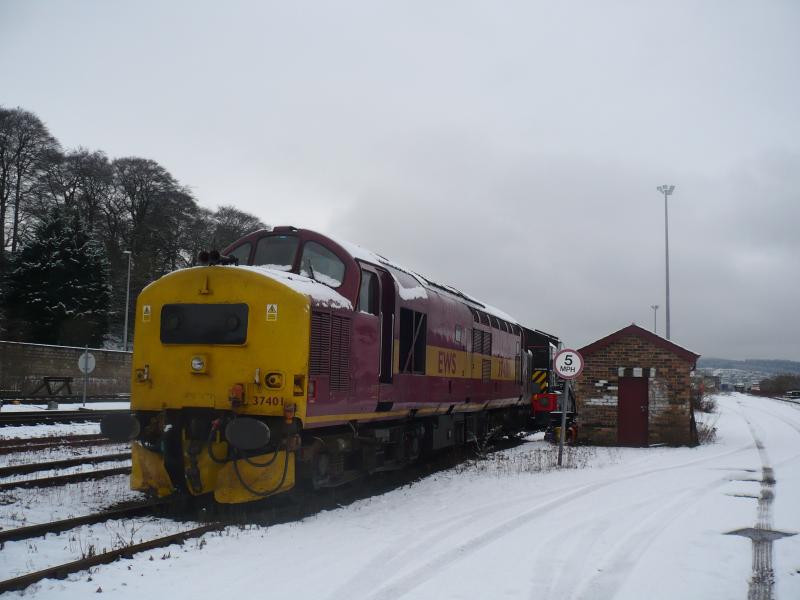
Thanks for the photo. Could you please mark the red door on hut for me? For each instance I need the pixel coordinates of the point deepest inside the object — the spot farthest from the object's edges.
(632, 417)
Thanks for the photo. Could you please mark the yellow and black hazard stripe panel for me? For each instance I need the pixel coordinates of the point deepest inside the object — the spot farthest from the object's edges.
(539, 377)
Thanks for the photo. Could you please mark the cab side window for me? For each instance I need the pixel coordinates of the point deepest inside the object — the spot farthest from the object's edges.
(368, 293)
(321, 264)
(241, 253)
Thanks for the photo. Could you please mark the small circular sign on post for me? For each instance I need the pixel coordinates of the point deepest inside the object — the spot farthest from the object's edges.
(86, 363)
(568, 364)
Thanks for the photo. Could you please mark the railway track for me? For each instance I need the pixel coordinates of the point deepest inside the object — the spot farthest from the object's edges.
(47, 417)
(24, 469)
(12, 445)
(31, 531)
(61, 571)
(266, 513)
(70, 399)
(64, 479)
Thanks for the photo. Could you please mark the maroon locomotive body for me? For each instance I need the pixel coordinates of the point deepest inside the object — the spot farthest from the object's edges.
(311, 361)
(397, 357)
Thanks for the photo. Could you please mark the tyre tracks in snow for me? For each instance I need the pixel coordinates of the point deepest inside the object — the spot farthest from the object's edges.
(622, 558)
(390, 564)
(762, 535)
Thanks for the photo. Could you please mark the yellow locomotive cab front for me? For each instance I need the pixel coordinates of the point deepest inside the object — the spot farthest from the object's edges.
(220, 371)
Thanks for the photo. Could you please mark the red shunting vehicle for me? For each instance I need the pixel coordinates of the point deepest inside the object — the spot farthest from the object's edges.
(544, 386)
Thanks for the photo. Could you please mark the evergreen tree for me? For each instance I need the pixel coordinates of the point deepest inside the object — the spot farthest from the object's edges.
(57, 291)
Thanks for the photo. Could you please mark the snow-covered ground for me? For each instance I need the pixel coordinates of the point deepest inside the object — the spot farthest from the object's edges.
(623, 523)
(55, 429)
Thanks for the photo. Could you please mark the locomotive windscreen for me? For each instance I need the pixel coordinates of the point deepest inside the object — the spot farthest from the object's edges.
(204, 323)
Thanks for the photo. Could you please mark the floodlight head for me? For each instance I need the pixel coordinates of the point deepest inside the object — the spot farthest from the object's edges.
(666, 189)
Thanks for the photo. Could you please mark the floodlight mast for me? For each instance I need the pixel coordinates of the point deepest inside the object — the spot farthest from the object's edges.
(667, 191)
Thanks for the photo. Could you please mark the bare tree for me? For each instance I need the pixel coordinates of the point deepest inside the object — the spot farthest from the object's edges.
(6, 152)
(126, 204)
(80, 180)
(26, 146)
(231, 224)
(141, 183)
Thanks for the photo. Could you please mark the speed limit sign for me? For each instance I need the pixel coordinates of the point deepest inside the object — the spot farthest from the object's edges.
(568, 364)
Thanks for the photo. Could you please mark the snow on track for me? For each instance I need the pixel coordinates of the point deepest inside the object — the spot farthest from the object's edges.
(52, 430)
(633, 523)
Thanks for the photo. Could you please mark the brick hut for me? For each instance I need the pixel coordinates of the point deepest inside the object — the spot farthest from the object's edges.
(635, 390)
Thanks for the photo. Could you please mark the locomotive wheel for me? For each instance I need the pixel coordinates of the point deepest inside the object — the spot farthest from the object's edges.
(320, 469)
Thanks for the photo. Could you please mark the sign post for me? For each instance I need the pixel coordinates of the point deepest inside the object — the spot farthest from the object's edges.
(86, 364)
(568, 365)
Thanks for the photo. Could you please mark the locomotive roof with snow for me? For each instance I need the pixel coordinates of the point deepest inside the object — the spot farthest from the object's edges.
(327, 270)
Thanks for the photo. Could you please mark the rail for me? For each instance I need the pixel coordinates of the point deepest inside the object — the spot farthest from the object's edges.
(30, 531)
(45, 417)
(61, 571)
(12, 445)
(24, 469)
(9, 396)
(64, 479)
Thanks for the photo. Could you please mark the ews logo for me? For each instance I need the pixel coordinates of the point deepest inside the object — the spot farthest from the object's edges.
(447, 363)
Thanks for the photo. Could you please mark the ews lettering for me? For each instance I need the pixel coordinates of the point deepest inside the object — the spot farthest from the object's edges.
(447, 362)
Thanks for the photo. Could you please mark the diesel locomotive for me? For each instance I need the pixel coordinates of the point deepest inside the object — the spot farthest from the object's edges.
(293, 359)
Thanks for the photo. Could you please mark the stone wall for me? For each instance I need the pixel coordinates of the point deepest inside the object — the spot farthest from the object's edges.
(669, 391)
(22, 367)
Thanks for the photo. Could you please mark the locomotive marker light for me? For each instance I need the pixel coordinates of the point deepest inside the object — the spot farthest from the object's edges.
(199, 363)
(568, 364)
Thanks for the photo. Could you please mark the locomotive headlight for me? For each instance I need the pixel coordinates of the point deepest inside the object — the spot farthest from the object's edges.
(199, 364)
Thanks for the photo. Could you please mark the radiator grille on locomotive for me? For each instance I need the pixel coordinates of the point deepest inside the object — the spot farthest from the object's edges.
(482, 342)
(486, 369)
(330, 349)
(320, 352)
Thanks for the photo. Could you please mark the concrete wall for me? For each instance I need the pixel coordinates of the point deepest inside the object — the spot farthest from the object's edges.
(22, 367)
(669, 391)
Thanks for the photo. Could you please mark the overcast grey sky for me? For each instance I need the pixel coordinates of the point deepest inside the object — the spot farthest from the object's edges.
(511, 149)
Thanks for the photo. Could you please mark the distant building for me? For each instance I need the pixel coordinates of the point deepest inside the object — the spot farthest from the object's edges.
(706, 383)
